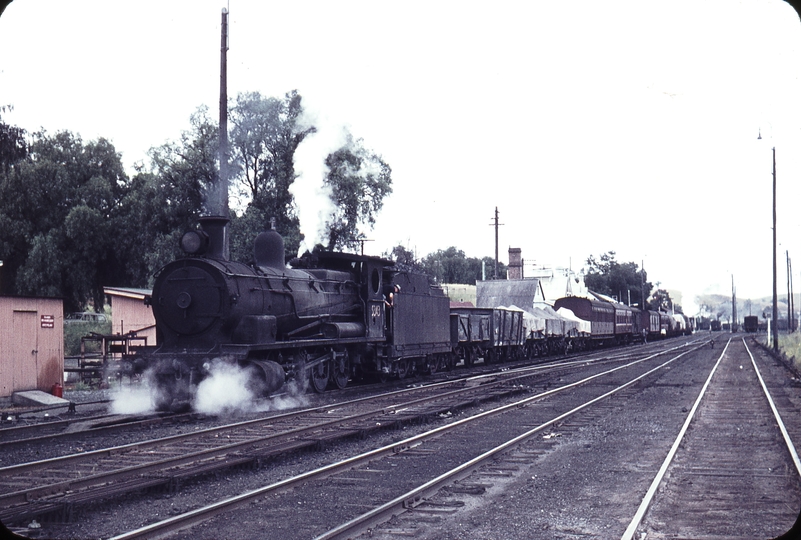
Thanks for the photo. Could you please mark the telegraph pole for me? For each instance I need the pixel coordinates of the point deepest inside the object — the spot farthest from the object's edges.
(775, 324)
(642, 286)
(733, 306)
(790, 314)
(792, 299)
(221, 203)
(223, 188)
(496, 241)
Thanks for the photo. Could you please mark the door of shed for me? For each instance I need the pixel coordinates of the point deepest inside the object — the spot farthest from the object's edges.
(25, 348)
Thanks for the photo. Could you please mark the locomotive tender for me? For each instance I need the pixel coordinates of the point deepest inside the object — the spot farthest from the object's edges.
(330, 317)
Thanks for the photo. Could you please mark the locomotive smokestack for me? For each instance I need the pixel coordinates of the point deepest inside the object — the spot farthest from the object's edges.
(216, 228)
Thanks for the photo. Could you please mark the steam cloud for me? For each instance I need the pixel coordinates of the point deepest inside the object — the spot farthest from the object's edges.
(132, 400)
(313, 198)
(231, 389)
(228, 390)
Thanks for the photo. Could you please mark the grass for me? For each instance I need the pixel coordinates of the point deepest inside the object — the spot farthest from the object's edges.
(790, 345)
(75, 331)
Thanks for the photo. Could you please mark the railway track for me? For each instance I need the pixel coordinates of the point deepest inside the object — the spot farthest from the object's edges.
(56, 430)
(91, 426)
(56, 486)
(337, 503)
(738, 455)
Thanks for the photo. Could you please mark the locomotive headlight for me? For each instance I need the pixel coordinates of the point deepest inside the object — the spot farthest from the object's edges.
(194, 242)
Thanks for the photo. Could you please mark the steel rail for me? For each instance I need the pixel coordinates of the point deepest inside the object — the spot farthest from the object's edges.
(649, 495)
(646, 502)
(116, 473)
(776, 415)
(508, 376)
(189, 519)
(416, 495)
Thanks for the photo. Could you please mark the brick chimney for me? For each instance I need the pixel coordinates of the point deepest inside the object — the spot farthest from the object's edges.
(515, 270)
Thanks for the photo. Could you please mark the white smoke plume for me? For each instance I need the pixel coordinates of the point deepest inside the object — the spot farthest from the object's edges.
(231, 389)
(132, 400)
(313, 199)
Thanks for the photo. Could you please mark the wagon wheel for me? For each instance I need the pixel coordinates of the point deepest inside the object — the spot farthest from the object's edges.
(469, 357)
(341, 369)
(490, 356)
(318, 376)
(403, 368)
(432, 364)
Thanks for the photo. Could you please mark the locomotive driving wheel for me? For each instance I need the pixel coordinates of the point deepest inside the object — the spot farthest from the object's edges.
(341, 369)
(318, 376)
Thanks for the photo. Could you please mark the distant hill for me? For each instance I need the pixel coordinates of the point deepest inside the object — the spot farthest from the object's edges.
(718, 306)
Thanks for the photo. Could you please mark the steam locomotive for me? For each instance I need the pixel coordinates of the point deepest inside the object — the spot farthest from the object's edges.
(330, 317)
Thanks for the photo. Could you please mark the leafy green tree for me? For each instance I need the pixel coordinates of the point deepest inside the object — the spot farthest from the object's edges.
(404, 259)
(661, 301)
(486, 265)
(63, 202)
(608, 276)
(359, 180)
(12, 143)
(13, 232)
(265, 134)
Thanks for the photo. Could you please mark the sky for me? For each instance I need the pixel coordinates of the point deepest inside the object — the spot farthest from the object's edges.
(592, 126)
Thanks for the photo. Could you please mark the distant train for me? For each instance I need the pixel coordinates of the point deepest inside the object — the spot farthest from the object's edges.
(751, 323)
(332, 317)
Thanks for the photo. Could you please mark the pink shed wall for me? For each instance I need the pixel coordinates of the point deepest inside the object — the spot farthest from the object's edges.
(130, 313)
(31, 351)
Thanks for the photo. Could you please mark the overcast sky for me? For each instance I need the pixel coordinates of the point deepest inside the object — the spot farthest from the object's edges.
(625, 125)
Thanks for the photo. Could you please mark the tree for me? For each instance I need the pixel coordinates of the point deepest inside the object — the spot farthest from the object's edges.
(70, 248)
(13, 232)
(265, 134)
(12, 143)
(661, 301)
(359, 180)
(609, 277)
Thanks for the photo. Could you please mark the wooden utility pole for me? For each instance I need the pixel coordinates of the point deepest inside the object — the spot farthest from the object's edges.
(792, 299)
(221, 203)
(223, 187)
(495, 276)
(733, 306)
(775, 323)
(790, 314)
